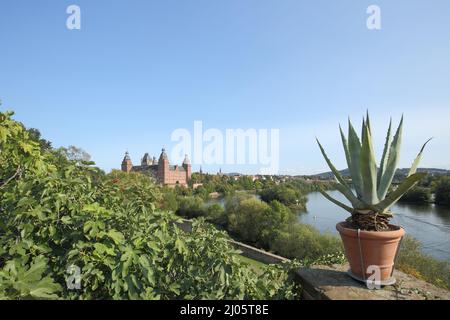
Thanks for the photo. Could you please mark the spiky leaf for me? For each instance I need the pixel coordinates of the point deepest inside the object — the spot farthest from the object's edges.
(418, 158)
(356, 203)
(384, 158)
(336, 172)
(394, 155)
(404, 187)
(354, 148)
(368, 168)
(336, 202)
(349, 162)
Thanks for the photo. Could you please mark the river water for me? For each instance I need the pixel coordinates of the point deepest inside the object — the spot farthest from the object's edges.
(430, 224)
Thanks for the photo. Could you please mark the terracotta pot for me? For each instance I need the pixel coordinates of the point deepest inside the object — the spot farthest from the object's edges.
(374, 248)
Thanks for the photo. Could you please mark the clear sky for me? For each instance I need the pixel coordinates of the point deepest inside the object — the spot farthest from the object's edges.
(137, 70)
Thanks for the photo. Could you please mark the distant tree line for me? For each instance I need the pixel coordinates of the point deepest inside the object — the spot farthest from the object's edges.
(434, 188)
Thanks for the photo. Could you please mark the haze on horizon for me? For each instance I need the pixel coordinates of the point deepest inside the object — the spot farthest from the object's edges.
(136, 72)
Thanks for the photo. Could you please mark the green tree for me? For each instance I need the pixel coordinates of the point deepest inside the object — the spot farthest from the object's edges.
(300, 241)
(191, 207)
(285, 194)
(442, 191)
(35, 135)
(417, 194)
(249, 220)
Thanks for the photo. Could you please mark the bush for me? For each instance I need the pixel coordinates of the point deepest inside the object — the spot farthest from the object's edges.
(191, 207)
(304, 242)
(215, 213)
(248, 220)
(285, 194)
(417, 194)
(411, 260)
(169, 200)
(442, 191)
(274, 227)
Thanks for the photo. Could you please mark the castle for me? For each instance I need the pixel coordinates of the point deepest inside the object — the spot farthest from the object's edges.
(161, 169)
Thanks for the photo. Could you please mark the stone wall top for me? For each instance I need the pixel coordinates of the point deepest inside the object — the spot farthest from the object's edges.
(333, 283)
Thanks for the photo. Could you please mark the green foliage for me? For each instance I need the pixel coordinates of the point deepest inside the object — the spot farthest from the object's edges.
(169, 200)
(18, 281)
(274, 227)
(35, 135)
(285, 194)
(191, 207)
(411, 260)
(329, 259)
(304, 242)
(59, 212)
(372, 185)
(249, 220)
(417, 194)
(442, 191)
(215, 213)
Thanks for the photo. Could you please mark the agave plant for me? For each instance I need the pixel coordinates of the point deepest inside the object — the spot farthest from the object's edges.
(372, 197)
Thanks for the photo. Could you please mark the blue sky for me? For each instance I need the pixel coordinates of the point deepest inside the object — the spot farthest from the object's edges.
(137, 70)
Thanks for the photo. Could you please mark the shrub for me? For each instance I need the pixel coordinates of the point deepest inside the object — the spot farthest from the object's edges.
(285, 194)
(190, 207)
(248, 220)
(442, 191)
(169, 200)
(215, 213)
(304, 242)
(411, 260)
(417, 194)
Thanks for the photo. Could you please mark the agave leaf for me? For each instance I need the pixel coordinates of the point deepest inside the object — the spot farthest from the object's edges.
(356, 203)
(336, 173)
(345, 144)
(393, 157)
(368, 122)
(336, 202)
(349, 161)
(363, 130)
(385, 156)
(418, 158)
(354, 148)
(368, 168)
(395, 195)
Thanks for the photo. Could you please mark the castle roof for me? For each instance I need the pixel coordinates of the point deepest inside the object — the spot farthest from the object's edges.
(127, 157)
(163, 155)
(186, 160)
(147, 160)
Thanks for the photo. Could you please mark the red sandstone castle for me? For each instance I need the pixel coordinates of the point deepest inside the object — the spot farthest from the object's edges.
(161, 169)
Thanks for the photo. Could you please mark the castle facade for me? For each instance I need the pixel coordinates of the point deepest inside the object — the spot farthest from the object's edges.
(161, 169)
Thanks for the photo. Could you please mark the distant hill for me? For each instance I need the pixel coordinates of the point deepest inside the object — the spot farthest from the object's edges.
(400, 173)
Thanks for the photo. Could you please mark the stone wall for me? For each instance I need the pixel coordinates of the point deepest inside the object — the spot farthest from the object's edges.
(333, 283)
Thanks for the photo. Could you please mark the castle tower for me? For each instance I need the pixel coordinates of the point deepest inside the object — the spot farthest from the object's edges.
(127, 165)
(187, 166)
(146, 160)
(163, 167)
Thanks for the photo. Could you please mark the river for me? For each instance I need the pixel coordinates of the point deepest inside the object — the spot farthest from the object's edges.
(430, 224)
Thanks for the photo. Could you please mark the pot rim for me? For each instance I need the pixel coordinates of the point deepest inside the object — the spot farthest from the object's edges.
(391, 234)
